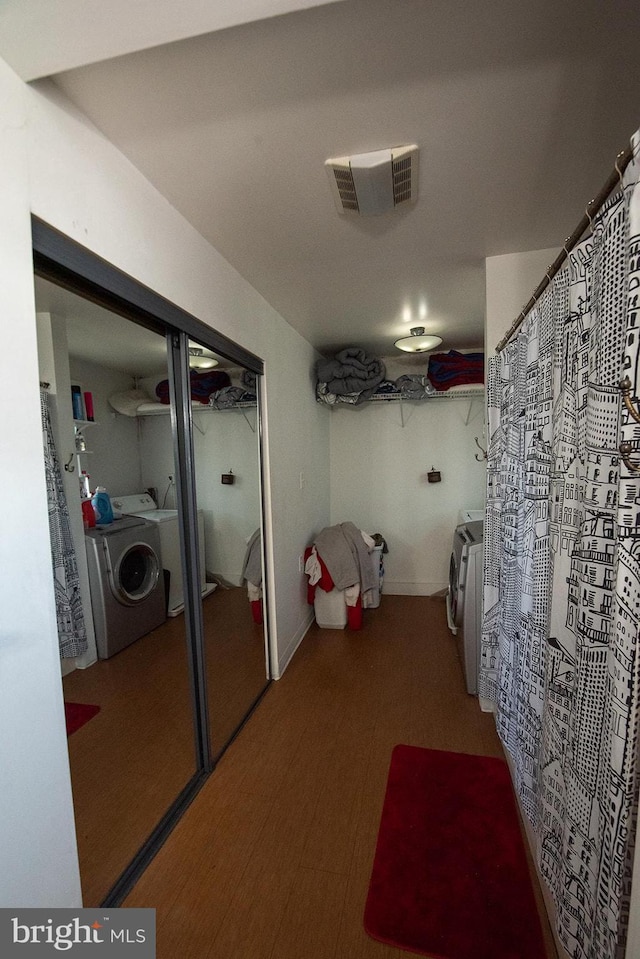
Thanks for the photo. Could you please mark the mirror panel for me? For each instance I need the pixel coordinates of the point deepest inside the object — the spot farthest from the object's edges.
(228, 498)
(132, 759)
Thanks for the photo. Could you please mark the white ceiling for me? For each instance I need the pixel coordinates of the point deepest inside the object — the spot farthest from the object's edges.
(519, 110)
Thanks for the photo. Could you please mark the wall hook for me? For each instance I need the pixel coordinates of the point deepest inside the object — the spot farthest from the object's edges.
(625, 453)
(587, 213)
(68, 467)
(625, 389)
(618, 170)
(482, 450)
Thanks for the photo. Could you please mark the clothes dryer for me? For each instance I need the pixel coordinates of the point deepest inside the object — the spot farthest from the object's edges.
(464, 597)
(125, 581)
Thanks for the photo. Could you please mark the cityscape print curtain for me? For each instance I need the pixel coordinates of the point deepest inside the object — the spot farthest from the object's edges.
(562, 577)
(72, 633)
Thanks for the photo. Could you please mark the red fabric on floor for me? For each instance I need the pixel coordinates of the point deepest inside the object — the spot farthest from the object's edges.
(450, 876)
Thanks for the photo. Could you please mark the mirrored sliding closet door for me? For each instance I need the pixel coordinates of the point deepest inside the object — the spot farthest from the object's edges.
(152, 454)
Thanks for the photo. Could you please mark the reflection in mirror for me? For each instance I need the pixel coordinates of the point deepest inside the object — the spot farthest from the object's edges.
(128, 695)
(227, 480)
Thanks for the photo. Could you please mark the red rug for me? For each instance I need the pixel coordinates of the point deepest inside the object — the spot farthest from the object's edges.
(77, 714)
(450, 876)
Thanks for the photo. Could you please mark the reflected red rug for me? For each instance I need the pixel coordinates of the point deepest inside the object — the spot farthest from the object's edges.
(450, 876)
(77, 714)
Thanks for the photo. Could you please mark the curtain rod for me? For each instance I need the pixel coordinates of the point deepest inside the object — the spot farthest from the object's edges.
(622, 161)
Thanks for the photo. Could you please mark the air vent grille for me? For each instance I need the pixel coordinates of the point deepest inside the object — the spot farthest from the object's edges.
(346, 189)
(401, 170)
(369, 184)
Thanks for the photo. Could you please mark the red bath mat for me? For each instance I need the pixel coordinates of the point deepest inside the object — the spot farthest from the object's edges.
(450, 876)
(77, 714)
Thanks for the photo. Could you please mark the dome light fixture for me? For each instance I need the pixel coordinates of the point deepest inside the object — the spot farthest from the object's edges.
(418, 341)
(199, 360)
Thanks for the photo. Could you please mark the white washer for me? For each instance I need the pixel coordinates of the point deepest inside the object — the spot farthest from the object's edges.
(143, 505)
(125, 579)
(464, 597)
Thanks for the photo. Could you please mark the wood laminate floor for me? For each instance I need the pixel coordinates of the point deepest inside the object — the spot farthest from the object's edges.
(131, 761)
(272, 859)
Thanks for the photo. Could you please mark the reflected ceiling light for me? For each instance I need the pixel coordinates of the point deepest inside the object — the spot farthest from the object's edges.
(199, 360)
(418, 342)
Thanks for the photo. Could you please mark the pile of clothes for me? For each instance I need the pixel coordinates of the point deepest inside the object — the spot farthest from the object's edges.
(353, 377)
(340, 559)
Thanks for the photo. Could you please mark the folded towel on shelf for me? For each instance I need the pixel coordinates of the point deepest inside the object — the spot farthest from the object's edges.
(455, 369)
(203, 384)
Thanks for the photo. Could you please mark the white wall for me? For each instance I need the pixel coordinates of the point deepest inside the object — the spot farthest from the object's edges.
(56, 165)
(37, 835)
(510, 282)
(223, 440)
(114, 457)
(379, 481)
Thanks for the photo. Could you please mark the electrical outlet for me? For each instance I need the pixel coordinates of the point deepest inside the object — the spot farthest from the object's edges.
(171, 478)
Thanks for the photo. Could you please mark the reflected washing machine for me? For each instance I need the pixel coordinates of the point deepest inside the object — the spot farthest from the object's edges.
(126, 582)
(464, 597)
(143, 506)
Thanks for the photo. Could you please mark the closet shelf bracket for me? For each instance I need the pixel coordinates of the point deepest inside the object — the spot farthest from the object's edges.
(249, 423)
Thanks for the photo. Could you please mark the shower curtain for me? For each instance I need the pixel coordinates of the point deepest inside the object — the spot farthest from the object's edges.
(562, 576)
(72, 634)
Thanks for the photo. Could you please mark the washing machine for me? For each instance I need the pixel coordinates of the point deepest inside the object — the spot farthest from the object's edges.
(125, 581)
(166, 520)
(464, 597)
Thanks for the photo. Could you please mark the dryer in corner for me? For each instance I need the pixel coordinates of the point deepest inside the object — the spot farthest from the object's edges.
(464, 597)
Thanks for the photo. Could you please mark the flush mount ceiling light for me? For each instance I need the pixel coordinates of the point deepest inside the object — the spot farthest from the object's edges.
(418, 342)
(199, 360)
(369, 184)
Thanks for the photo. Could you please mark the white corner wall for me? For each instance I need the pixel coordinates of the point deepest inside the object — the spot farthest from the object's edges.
(510, 282)
(379, 481)
(56, 165)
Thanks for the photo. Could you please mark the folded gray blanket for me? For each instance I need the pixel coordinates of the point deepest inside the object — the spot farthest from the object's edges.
(351, 371)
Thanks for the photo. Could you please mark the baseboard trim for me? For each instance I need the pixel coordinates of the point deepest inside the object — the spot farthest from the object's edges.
(287, 656)
(412, 589)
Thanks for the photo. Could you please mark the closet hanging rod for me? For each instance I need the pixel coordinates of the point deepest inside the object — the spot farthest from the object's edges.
(622, 161)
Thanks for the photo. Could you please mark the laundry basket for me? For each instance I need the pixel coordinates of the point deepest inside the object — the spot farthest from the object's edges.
(330, 609)
(377, 562)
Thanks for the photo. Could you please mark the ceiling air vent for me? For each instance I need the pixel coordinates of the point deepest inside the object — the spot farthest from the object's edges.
(373, 183)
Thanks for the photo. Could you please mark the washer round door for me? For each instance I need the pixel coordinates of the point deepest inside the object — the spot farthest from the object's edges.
(135, 574)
